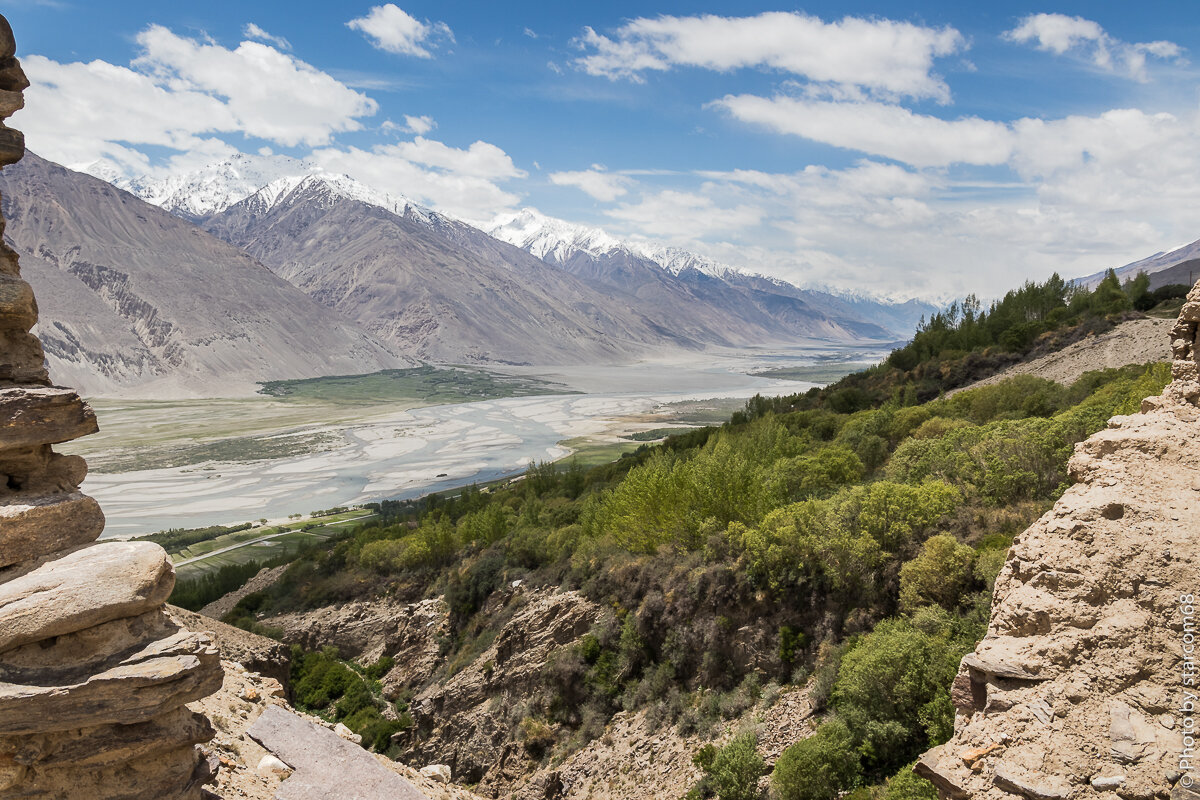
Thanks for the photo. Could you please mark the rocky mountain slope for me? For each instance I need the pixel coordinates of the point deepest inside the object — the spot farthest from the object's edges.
(1085, 683)
(1151, 265)
(424, 293)
(446, 272)
(464, 721)
(779, 308)
(134, 296)
(1136, 341)
(444, 291)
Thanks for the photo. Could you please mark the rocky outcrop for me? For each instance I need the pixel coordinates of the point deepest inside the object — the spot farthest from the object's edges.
(1085, 685)
(94, 674)
(251, 772)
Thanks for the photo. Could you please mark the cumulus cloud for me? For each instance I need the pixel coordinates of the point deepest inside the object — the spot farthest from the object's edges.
(419, 125)
(685, 216)
(1076, 194)
(389, 27)
(595, 182)
(252, 31)
(881, 129)
(1060, 34)
(882, 56)
(177, 94)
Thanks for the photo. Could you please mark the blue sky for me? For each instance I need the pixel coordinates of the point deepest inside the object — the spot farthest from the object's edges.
(924, 149)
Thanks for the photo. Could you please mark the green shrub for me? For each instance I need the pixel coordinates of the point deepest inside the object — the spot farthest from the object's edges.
(941, 574)
(892, 691)
(536, 736)
(817, 768)
(736, 768)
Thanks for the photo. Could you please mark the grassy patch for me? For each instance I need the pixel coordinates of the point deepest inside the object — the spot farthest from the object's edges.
(814, 373)
(430, 384)
(261, 543)
(714, 411)
(245, 448)
(590, 453)
(655, 434)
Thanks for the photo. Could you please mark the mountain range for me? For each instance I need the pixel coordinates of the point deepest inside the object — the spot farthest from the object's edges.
(132, 295)
(255, 269)
(1181, 265)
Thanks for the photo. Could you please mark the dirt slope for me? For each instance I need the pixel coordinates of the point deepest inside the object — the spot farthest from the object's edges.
(1134, 342)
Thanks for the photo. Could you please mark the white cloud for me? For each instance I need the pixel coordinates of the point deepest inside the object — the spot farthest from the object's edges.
(1060, 34)
(419, 125)
(178, 94)
(252, 31)
(594, 182)
(1090, 192)
(481, 159)
(531, 33)
(685, 216)
(272, 95)
(881, 129)
(390, 28)
(885, 57)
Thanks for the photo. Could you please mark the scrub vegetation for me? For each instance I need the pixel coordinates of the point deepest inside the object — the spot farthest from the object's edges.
(858, 529)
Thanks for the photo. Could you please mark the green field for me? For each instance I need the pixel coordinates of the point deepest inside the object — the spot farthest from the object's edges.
(815, 373)
(432, 385)
(590, 453)
(655, 434)
(259, 543)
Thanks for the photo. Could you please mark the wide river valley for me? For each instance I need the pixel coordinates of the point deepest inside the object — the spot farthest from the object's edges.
(396, 453)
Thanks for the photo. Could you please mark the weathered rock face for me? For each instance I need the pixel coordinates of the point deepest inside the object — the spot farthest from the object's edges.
(94, 674)
(1081, 687)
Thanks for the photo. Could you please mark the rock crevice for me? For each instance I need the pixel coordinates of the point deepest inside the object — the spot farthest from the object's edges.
(94, 673)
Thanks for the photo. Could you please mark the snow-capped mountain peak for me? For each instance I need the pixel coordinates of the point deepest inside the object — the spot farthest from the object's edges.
(210, 189)
(555, 241)
(264, 180)
(329, 187)
(552, 240)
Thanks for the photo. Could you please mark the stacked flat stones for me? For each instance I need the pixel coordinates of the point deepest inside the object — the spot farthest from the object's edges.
(94, 674)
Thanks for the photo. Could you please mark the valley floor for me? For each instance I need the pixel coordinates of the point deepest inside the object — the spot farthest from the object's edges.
(169, 464)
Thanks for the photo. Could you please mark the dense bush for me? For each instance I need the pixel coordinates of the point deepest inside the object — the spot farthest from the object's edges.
(198, 592)
(819, 767)
(326, 685)
(730, 772)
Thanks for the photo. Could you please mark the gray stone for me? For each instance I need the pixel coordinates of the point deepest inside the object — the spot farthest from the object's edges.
(1133, 737)
(32, 415)
(17, 307)
(31, 527)
(104, 582)
(10, 102)
(999, 669)
(12, 145)
(270, 765)
(162, 676)
(1181, 792)
(1031, 784)
(8, 42)
(930, 768)
(327, 766)
(1105, 782)
(12, 77)
(436, 772)
(105, 745)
